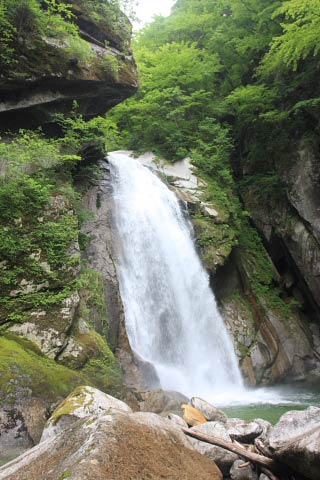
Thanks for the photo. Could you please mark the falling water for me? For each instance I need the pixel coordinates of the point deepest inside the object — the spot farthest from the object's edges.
(171, 314)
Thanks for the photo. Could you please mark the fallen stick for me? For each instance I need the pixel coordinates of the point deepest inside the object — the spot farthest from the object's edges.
(266, 462)
(261, 448)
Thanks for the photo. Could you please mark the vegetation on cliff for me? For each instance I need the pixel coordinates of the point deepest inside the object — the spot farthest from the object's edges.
(47, 291)
(229, 83)
(26, 26)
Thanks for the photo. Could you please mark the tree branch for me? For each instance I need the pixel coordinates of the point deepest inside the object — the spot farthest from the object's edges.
(261, 460)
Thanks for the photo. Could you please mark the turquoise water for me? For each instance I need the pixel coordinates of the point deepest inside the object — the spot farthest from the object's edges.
(270, 403)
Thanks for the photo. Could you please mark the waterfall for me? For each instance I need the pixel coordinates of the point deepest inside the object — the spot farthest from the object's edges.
(171, 314)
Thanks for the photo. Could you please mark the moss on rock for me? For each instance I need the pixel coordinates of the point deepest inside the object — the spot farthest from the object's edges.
(215, 240)
(24, 370)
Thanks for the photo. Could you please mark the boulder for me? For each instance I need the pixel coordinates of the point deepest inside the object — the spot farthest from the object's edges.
(295, 441)
(159, 401)
(192, 416)
(121, 446)
(242, 473)
(266, 428)
(209, 411)
(21, 425)
(220, 456)
(243, 431)
(81, 403)
(177, 420)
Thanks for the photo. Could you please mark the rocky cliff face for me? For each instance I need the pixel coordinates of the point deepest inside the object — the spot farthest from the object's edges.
(50, 73)
(290, 228)
(53, 321)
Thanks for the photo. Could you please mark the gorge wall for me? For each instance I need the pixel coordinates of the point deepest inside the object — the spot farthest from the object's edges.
(62, 317)
(53, 315)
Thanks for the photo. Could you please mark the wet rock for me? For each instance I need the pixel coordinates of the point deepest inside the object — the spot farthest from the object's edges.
(295, 441)
(120, 446)
(192, 416)
(242, 431)
(81, 403)
(220, 456)
(159, 401)
(238, 472)
(210, 412)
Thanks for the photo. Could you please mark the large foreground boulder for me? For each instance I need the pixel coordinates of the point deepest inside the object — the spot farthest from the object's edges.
(120, 446)
(81, 403)
(295, 441)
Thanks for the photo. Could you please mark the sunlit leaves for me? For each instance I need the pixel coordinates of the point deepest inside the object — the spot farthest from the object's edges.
(300, 38)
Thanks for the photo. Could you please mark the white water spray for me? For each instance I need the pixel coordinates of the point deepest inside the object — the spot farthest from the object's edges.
(171, 315)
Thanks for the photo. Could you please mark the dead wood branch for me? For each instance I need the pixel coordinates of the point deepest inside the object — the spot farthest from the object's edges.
(260, 460)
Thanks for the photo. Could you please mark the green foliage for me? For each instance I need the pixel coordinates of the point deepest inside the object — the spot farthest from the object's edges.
(110, 65)
(300, 37)
(28, 151)
(212, 151)
(40, 214)
(24, 24)
(79, 133)
(37, 226)
(226, 64)
(264, 187)
(7, 33)
(171, 101)
(22, 19)
(23, 196)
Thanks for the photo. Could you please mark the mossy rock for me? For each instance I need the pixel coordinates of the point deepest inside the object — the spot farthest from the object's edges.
(214, 240)
(94, 359)
(24, 369)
